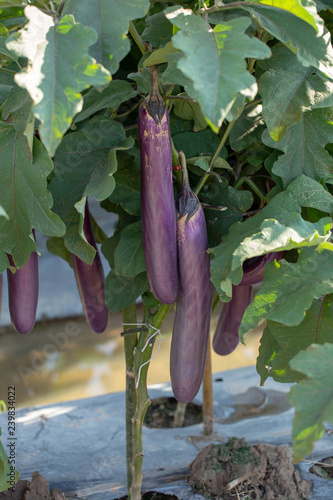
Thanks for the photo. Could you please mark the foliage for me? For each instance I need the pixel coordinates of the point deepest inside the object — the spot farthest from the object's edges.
(249, 91)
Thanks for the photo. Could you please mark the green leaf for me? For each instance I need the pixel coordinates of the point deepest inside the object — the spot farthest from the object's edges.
(4, 262)
(311, 48)
(6, 469)
(190, 110)
(288, 89)
(247, 129)
(127, 177)
(317, 327)
(57, 247)
(159, 55)
(55, 75)
(173, 75)
(220, 194)
(289, 289)
(128, 256)
(158, 30)
(312, 398)
(3, 49)
(110, 19)
(304, 149)
(117, 92)
(193, 144)
(267, 350)
(121, 291)
(226, 48)
(19, 105)
(281, 218)
(306, 10)
(142, 79)
(310, 193)
(24, 195)
(294, 232)
(84, 166)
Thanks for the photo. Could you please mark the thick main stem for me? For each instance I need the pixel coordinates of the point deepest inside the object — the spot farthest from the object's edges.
(140, 399)
(130, 341)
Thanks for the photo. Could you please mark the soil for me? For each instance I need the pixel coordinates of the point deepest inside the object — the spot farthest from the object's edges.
(36, 489)
(236, 469)
(153, 495)
(161, 413)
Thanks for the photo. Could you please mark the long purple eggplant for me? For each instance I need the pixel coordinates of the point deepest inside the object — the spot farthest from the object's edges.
(191, 326)
(157, 200)
(254, 268)
(90, 282)
(23, 288)
(226, 336)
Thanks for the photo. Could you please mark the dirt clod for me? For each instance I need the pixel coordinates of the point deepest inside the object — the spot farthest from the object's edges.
(36, 489)
(236, 469)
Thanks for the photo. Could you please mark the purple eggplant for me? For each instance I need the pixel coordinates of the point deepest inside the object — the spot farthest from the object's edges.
(157, 200)
(254, 268)
(191, 326)
(23, 288)
(226, 334)
(90, 282)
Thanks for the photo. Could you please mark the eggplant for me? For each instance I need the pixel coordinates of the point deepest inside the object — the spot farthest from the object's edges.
(157, 199)
(226, 337)
(90, 281)
(226, 334)
(254, 269)
(23, 288)
(192, 320)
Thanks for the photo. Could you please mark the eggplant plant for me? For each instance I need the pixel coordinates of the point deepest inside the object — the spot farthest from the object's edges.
(102, 109)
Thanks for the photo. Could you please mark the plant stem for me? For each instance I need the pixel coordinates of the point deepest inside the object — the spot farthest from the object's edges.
(218, 8)
(130, 341)
(207, 386)
(179, 415)
(216, 154)
(142, 356)
(255, 188)
(137, 38)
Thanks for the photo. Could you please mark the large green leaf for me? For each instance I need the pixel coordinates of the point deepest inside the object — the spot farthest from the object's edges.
(236, 203)
(312, 398)
(288, 89)
(311, 48)
(116, 92)
(274, 357)
(190, 110)
(24, 195)
(110, 19)
(216, 83)
(305, 10)
(127, 177)
(277, 226)
(83, 166)
(247, 129)
(293, 232)
(128, 256)
(304, 149)
(19, 106)
(121, 291)
(59, 69)
(288, 289)
(311, 194)
(158, 30)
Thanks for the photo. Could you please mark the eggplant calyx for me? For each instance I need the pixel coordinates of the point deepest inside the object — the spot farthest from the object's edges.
(154, 102)
(187, 202)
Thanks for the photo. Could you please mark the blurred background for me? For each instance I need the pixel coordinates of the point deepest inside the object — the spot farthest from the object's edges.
(62, 359)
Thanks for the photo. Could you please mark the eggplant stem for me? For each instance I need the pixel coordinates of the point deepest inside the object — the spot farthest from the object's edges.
(213, 160)
(182, 159)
